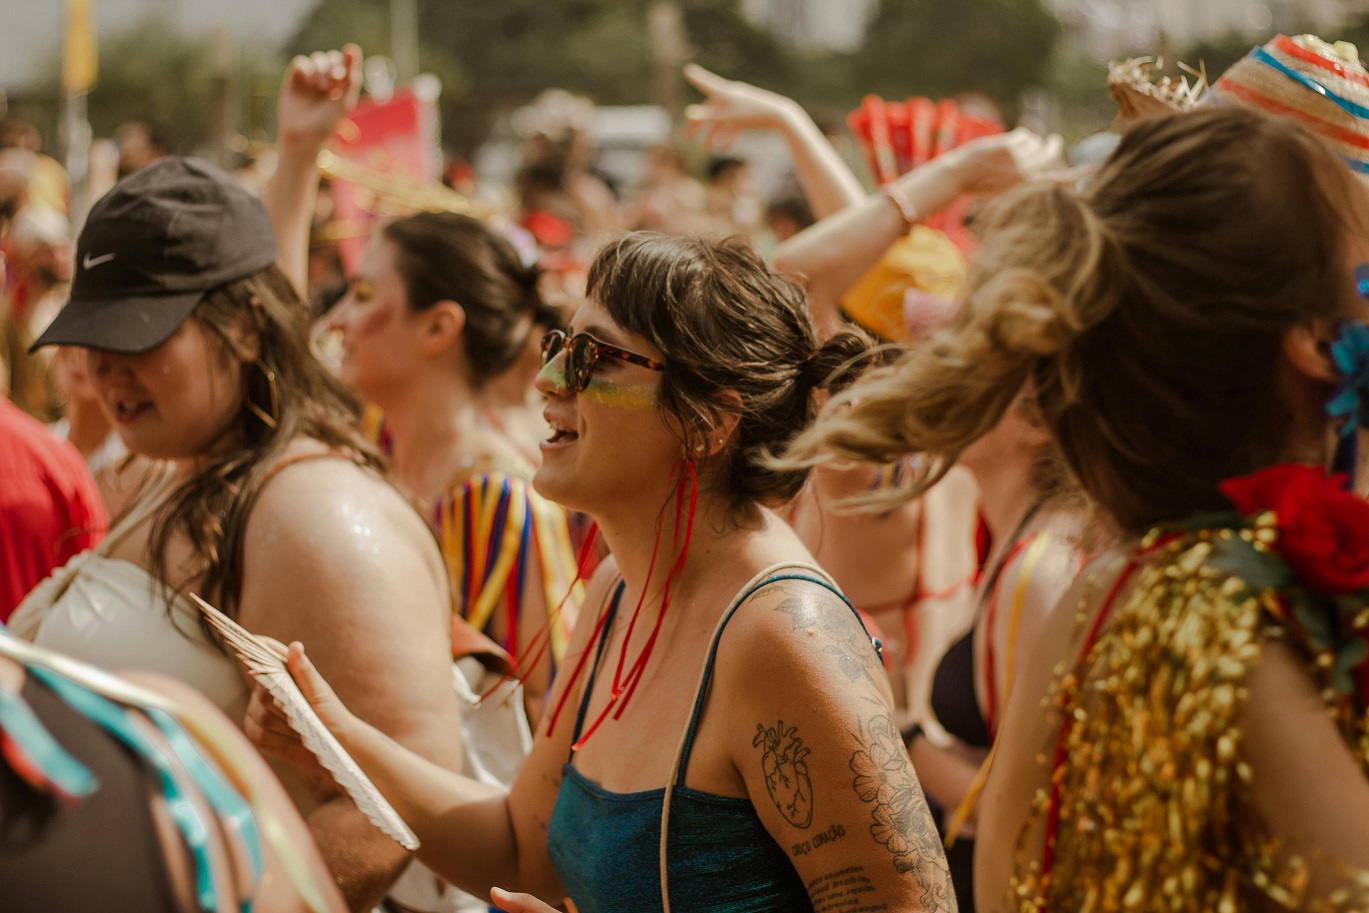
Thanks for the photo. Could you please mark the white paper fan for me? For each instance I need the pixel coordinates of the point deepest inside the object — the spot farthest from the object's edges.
(268, 668)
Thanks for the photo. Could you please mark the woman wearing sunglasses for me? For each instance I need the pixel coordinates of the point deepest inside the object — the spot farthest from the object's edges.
(720, 735)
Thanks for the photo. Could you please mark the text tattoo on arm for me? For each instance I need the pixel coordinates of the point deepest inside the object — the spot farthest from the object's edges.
(847, 891)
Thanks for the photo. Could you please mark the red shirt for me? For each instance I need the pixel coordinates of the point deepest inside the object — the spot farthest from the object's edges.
(50, 508)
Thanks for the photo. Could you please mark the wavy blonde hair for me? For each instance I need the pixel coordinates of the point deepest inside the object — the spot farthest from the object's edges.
(1147, 313)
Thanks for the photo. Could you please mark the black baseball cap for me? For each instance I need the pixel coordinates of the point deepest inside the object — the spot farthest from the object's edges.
(150, 250)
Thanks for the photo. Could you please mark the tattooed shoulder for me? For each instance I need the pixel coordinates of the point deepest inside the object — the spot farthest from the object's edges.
(901, 822)
(819, 614)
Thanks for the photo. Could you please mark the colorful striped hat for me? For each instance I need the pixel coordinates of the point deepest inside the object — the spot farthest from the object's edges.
(1322, 86)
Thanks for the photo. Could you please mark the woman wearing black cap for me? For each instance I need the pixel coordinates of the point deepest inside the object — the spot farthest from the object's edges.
(272, 505)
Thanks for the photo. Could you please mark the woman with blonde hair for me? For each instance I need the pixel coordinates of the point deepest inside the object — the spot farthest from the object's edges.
(1188, 326)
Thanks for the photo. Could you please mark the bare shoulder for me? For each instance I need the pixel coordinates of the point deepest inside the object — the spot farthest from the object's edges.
(957, 486)
(326, 532)
(799, 633)
(330, 506)
(1043, 572)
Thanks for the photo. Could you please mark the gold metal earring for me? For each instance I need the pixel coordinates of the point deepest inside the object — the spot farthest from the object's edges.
(267, 418)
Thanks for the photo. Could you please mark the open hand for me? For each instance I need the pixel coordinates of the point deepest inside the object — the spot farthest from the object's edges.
(731, 107)
(317, 93)
(992, 164)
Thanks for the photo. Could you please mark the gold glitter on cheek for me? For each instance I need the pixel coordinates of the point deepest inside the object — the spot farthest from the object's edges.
(621, 395)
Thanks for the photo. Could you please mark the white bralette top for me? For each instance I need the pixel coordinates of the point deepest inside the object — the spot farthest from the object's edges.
(111, 613)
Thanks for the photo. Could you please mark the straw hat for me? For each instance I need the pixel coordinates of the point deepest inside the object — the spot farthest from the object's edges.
(1133, 84)
(1323, 86)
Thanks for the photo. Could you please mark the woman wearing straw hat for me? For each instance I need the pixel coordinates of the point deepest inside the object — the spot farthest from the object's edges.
(1202, 743)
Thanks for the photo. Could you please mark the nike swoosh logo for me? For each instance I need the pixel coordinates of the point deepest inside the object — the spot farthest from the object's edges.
(90, 261)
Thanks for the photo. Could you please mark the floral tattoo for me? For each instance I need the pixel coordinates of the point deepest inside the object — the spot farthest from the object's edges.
(786, 772)
(901, 821)
(854, 653)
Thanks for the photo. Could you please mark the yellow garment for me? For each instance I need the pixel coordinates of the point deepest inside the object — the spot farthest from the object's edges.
(495, 532)
(49, 185)
(489, 523)
(1155, 802)
(925, 259)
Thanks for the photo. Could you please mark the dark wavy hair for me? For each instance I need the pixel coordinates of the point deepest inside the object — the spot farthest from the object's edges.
(449, 257)
(210, 510)
(726, 323)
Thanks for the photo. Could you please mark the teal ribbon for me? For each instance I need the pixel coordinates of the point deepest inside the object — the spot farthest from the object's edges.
(45, 758)
(114, 719)
(230, 807)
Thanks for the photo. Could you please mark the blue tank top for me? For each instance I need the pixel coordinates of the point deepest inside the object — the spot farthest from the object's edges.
(719, 856)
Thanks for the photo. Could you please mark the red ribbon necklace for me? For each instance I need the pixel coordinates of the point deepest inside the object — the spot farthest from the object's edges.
(627, 676)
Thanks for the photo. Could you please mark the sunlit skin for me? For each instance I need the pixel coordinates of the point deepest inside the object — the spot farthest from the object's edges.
(175, 402)
(380, 333)
(609, 441)
(626, 393)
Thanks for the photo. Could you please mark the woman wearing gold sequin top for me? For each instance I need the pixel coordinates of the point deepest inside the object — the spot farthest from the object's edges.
(1193, 326)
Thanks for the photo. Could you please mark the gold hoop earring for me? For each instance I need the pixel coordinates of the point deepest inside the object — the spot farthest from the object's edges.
(267, 418)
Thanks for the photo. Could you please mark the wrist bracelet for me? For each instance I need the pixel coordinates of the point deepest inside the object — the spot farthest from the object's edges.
(904, 206)
(910, 735)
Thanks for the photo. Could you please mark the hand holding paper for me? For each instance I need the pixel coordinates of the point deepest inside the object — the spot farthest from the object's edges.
(308, 711)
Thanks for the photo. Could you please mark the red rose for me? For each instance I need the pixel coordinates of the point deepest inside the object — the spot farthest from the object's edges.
(1323, 529)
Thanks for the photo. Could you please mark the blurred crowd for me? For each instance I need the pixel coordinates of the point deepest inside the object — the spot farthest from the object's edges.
(945, 520)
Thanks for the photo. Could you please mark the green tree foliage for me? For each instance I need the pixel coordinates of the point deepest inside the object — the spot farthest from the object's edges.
(938, 48)
(152, 72)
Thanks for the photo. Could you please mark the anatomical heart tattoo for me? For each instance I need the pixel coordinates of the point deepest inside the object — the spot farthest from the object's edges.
(786, 772)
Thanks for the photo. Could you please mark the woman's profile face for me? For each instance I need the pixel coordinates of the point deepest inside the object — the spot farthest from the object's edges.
(610, 448)
(179, 400)
(380, 333)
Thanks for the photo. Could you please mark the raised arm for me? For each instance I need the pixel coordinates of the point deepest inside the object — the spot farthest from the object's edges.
(731, 107)
(835, 252)
(814, 737)
(317, 93)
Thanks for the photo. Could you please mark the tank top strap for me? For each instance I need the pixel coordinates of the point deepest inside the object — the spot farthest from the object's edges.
(773, 574)
(611, 612)
(153, 499)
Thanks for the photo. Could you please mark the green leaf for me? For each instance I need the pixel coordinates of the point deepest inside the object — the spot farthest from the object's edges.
(1350, 657)
(1315, 614)
(1260, 570)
